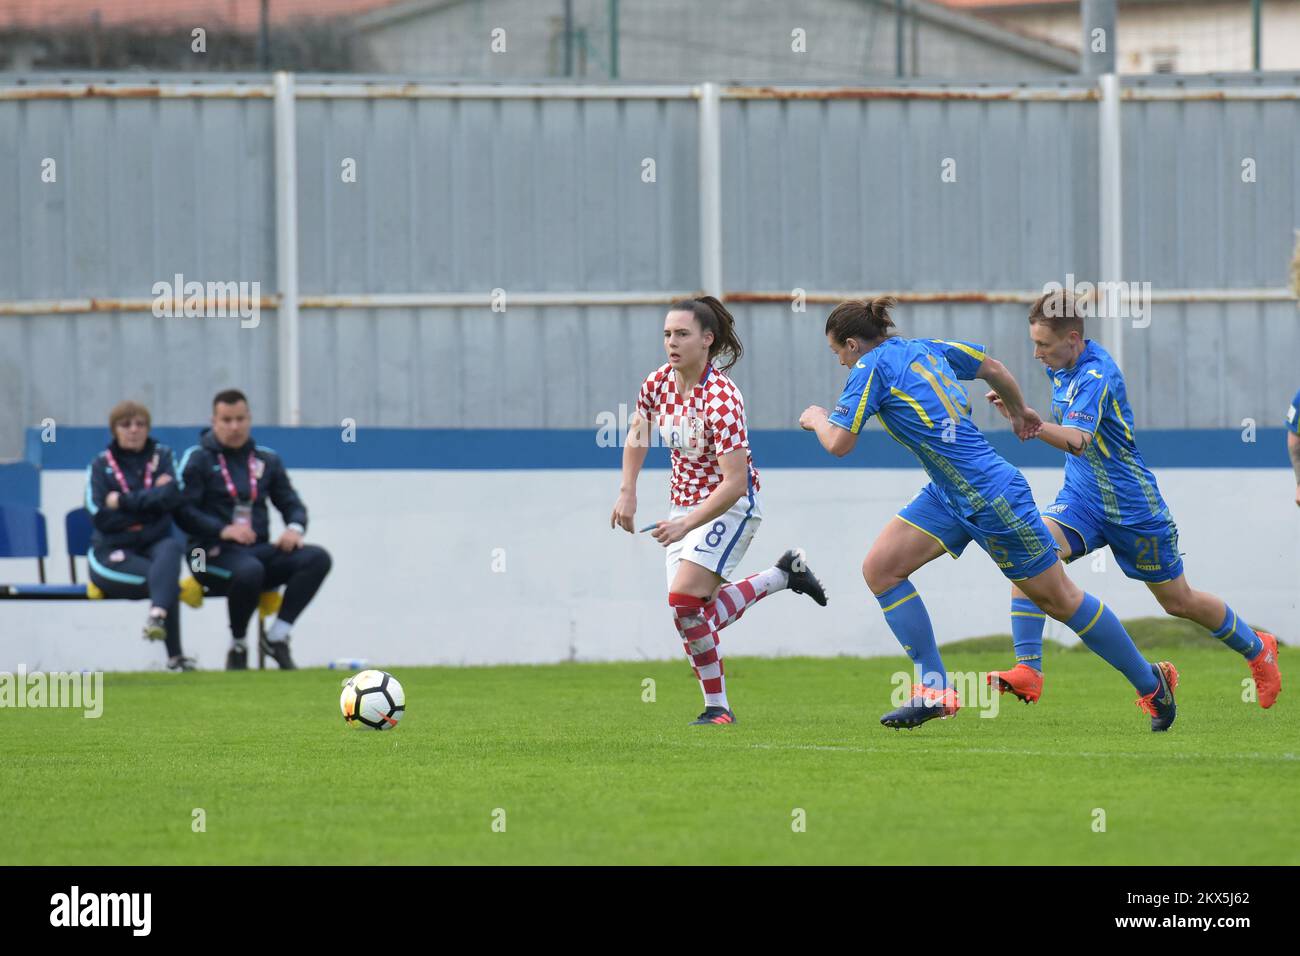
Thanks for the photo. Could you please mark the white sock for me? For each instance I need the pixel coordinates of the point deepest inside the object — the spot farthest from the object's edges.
(773, 579)
(279, 631)
(238, 644)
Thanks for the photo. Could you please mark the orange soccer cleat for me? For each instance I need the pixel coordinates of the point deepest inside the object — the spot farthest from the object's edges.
(1022, 680)
(1268, 679)
(926, 703)
(1160, 702)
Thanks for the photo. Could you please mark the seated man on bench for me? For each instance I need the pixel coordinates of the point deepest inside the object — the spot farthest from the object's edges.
(225, 481)
(131, 491)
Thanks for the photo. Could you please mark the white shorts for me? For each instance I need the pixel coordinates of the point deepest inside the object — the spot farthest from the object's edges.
(719, 545)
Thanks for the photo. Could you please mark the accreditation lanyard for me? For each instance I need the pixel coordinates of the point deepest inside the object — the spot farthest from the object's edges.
(121, 478)
(230, 485)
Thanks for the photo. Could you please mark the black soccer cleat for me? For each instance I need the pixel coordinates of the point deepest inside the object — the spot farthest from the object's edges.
(1160, 702)
(926, 703)
(181, 663)
(279, 651)
(802, 581)
(237, 659)
(714, 715)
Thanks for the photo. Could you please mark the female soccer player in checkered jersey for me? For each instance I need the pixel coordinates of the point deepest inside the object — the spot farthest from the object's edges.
(715, 507)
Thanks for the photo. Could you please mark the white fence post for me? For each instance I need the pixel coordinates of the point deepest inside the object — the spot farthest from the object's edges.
(286, 251)
(1111, 213)
(710, 190)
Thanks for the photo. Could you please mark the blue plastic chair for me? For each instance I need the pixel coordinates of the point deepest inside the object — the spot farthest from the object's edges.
(20, 485)
(22, 535)
(78, 529)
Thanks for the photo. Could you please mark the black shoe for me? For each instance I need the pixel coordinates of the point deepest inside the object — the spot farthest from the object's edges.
(279, 650)
(181, 663)
(237, 659)
(714, 715)
(1160, 702)
(155, 627)
(802, 581)
(925, 704)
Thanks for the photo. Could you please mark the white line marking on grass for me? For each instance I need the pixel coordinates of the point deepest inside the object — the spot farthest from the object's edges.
(1016, 753)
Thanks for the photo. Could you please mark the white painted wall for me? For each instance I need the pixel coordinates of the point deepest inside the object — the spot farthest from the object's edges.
(413, 581)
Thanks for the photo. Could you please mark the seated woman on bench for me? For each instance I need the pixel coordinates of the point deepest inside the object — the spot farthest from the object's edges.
(131, 492)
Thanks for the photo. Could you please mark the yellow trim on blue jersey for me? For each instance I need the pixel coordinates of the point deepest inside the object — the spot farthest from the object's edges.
(1100, 607)
(930, 533)
(945, 466)
(925, 373)
(973, 353)
(886, 610)
(916, 406)
(1101, 402)
(1128, 433)
(1153, 500)
(862, 405)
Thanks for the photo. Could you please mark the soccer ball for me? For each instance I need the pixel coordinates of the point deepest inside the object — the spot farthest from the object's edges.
(372, 699)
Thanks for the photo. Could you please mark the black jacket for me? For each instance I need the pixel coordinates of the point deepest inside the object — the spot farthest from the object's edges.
(206, 505)
(141, 517)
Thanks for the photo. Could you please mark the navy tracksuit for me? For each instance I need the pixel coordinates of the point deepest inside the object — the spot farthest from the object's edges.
(133, 551)
(243, 572)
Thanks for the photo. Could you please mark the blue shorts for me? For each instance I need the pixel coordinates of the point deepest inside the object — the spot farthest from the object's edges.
(1147, 551)
(1009, 528)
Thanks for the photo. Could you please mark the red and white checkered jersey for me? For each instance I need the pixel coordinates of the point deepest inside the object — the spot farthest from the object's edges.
(709, 422)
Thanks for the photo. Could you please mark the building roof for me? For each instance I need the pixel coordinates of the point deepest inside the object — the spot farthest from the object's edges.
(994, 5)
(938, 12)
(983, 4)
(168, 14)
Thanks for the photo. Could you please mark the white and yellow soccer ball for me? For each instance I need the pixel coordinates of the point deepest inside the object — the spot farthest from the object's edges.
(373, 699)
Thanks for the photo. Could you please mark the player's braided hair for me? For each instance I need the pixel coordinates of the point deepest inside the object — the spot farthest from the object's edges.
(713, 316)
(866, 319)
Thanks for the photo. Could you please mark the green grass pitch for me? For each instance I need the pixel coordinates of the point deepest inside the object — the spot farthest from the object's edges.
(587, 772)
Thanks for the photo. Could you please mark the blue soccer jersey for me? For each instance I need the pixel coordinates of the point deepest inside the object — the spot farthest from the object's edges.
(1091, 397)
(912, 386)
(1293, 415)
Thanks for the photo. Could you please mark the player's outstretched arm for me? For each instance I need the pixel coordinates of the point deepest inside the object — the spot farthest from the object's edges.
(634, 452)
(1070, 440)
(1024, 420)
(1293, 448)
(838, 441)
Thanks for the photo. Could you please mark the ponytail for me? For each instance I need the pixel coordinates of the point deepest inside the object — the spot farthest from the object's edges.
(866, 319)
(712, 316)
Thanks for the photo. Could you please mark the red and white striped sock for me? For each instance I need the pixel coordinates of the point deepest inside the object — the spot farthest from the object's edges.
(734, 599)
(700, 640)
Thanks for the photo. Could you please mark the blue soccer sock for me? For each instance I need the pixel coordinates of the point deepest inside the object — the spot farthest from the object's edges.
(1238, 635)
(910, 621)
(1027, 632)
(1099, 628)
